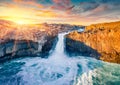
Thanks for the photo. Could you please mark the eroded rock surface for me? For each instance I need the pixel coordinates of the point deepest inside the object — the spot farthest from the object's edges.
(101, 38)
(28, 40)
(24, 40)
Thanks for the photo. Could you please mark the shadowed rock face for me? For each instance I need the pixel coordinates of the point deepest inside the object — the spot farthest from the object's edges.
(24, 40)
(20, 48)
(29, 40)
(80, 48)
(103, 38)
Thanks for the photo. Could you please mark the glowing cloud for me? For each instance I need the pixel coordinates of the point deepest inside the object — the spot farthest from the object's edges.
(59, 11)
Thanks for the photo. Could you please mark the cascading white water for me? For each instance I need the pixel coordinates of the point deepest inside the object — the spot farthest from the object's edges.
(58, 54)
(59, 49)
(57, 69)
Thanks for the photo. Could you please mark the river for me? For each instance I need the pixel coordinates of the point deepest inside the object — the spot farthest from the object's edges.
(59, 69)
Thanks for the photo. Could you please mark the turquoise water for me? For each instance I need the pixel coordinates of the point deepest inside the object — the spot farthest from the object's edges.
(59, 69)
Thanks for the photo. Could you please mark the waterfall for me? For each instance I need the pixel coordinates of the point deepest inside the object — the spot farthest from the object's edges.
(58, 54)
(57, 69)
(59, 49)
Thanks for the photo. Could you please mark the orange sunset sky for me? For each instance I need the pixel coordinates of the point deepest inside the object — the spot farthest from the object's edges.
(80, 12)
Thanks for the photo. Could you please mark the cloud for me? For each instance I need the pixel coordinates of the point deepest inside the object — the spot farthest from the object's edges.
(87, 6)
(62, 5)
(86, 11)
(47, 13)
(113, 2)
(29, 2)
(97, 9)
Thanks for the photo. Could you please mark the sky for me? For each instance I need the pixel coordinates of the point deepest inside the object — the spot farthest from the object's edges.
(79, 12)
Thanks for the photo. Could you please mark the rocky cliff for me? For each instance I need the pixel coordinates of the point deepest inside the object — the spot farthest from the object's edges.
(28, 40)
(24, 40)
(101, 39)
(17, 46)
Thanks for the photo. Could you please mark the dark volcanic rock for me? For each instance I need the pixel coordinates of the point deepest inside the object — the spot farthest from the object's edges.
(101, 38)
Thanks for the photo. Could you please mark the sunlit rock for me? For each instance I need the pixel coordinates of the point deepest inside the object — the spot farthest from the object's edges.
(102, 38)
(29, 40)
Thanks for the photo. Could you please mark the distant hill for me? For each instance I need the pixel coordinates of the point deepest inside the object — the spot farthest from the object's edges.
(103, 26)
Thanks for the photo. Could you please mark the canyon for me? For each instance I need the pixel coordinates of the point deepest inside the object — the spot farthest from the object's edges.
(100, 41)
(29, 40)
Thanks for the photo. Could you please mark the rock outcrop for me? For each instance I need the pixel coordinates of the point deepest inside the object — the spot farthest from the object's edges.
(101, 39)
(22, 40)
(29, 40)
(12, 48)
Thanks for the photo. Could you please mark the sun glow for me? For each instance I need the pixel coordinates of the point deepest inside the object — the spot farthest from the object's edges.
(20, 22)
(19, 15)
(26, 15)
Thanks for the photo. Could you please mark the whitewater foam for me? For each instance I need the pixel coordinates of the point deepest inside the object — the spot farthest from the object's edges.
(57, 69)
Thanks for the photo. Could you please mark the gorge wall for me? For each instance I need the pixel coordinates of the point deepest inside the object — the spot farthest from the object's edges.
(29, 40)
(98, 40)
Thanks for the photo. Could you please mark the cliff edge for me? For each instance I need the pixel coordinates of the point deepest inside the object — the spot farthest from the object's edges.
(102, 39)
